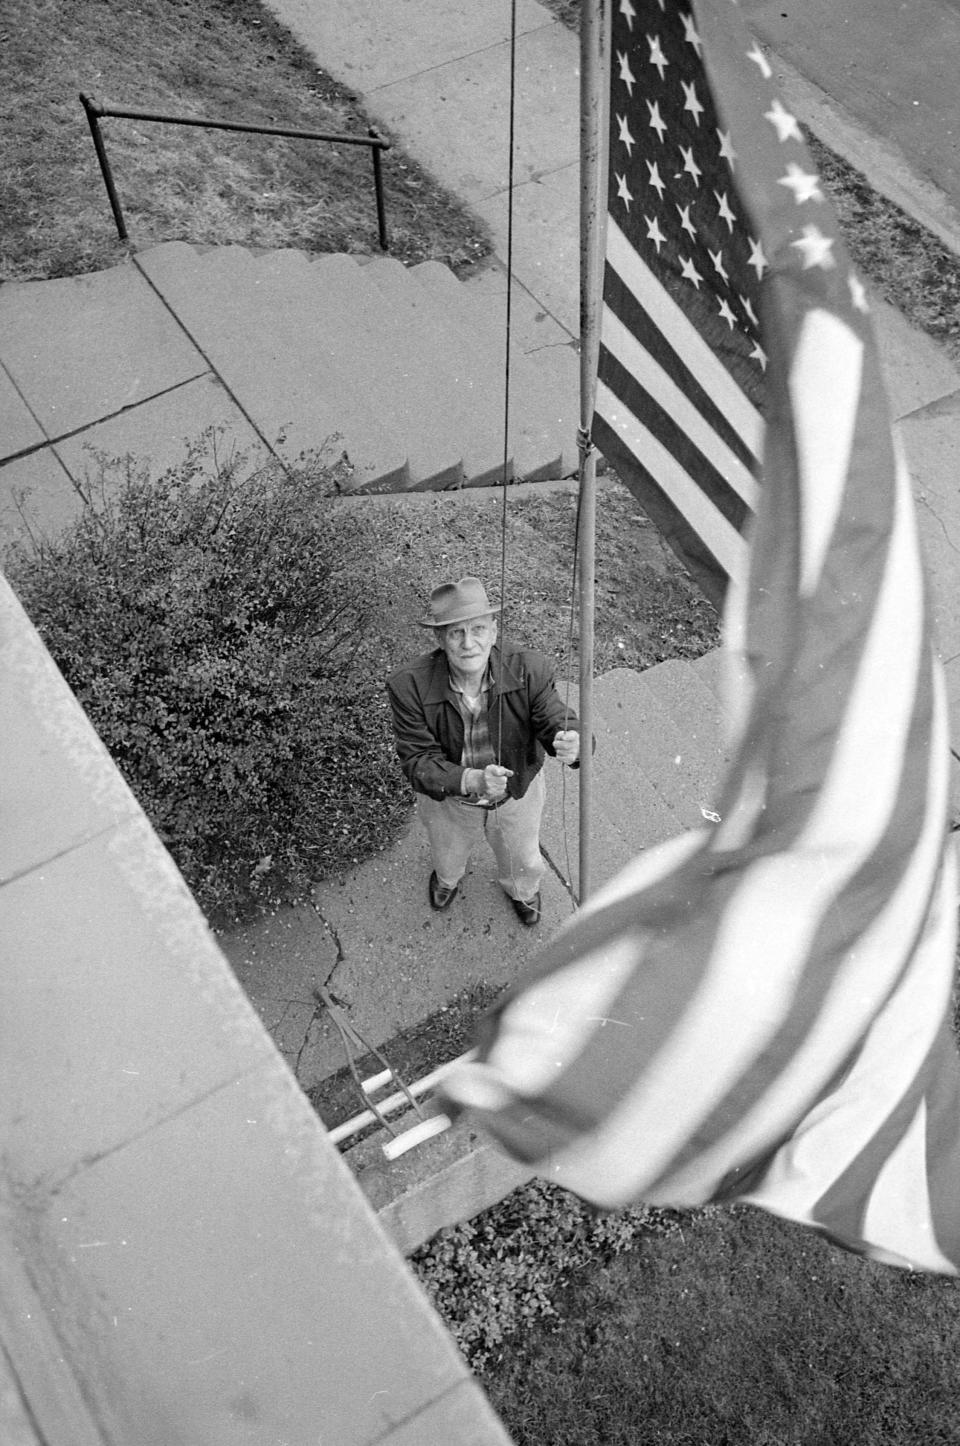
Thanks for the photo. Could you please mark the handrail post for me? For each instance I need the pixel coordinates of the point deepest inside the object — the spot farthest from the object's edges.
(92, 114)
(94, 110)
(378, 187)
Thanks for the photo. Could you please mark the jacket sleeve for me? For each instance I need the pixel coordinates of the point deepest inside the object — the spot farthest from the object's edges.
(421, 756)
(548, 712)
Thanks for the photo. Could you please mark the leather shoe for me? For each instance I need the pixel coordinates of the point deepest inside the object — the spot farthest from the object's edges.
(442, 895)
(527, 910)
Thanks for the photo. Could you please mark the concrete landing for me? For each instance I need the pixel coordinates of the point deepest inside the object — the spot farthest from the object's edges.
(372, 938)
(374, 941)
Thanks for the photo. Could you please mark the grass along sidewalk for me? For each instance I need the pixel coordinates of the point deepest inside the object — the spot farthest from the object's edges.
(734, 1329)
(225, 59)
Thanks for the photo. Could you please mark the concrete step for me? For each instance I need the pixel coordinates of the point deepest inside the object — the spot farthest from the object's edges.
(459, 376)
(709, 669)
(673, 722)
(368, 343)
(273, 357)
(397, 364)
(657, 768)
(627, 815)
(401, 368)
(544, 368)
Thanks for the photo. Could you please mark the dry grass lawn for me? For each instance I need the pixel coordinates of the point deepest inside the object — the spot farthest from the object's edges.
(215, 58)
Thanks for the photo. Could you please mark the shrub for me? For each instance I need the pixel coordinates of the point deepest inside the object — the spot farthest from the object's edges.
(216, 625)
(496, 1274)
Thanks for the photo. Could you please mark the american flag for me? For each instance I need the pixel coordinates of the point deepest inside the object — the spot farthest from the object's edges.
(681, 376)
(761, 1010)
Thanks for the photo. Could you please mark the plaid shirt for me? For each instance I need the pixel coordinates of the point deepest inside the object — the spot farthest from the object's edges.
(477, 748)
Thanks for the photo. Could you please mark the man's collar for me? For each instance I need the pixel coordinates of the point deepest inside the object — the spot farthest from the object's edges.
(503, 679)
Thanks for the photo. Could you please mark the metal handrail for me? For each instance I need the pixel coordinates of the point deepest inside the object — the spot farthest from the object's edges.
(94, 111)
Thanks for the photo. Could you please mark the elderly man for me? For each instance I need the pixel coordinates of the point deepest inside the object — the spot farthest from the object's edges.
(472, 722)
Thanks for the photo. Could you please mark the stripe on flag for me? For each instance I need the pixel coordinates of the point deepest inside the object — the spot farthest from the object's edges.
(682, 279)
(761, 1011)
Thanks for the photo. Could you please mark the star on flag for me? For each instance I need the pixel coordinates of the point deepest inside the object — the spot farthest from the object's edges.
(696, 243)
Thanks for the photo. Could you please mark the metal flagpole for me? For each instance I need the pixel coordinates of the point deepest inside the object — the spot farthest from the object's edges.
(592, 212)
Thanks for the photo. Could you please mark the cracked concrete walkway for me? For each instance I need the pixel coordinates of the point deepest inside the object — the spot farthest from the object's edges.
(373, 941)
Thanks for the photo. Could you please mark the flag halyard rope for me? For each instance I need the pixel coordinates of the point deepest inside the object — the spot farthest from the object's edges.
(377, 1111)
(511, 145)
(583, 441)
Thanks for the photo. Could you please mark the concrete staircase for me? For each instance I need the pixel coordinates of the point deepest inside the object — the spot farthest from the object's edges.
(658, 765)
(400, 363)
(402, 368)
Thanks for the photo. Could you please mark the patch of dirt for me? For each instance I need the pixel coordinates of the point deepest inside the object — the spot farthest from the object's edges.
(412, 1054)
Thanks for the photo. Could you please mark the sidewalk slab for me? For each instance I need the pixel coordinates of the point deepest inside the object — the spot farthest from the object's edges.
(671, 726)
(658, 767)
(159, 432)
(19, 428)
(917, 370)
(627, 813)
(83, 347)
(387, 958)
(390, 40)
(272, 355)
(455, 118)
(546, 240)
(534, 331)
(49, 498)
(400, 960)
(930, 440)
(280, 960)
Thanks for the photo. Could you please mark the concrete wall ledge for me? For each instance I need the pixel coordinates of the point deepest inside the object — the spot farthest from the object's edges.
(450, 1178)
(184, 1256)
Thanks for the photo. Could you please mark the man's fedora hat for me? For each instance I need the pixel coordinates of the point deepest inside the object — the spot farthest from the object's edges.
(457, 602)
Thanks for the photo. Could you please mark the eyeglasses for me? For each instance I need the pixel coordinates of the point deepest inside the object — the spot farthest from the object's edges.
(469, 632)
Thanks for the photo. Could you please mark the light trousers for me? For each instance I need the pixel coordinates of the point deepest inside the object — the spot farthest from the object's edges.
(512, 831)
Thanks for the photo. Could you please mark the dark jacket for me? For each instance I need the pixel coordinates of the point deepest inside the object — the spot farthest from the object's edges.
(429, 729)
